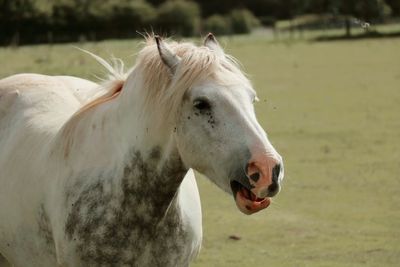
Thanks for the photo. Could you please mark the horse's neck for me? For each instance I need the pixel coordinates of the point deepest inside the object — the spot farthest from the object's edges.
(114, 144)
(105, 132)
(153, 179)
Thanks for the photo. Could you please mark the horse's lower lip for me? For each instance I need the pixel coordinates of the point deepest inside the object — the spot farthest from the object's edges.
(246, 201)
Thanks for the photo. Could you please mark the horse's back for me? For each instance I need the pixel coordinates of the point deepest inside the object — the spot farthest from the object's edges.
(44, 88)
(31, 103)
(32, 110)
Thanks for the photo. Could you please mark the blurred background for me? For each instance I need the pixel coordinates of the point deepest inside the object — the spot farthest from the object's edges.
(42, 21)
(327, 73)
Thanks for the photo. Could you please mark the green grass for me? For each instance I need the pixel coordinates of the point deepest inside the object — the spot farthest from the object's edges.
(332, 110)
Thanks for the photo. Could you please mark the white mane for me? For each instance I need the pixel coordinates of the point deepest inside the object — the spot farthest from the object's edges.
(160, 88)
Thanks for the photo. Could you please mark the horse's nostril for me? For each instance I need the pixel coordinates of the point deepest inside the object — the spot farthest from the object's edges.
(255, 177)
(273, 189)
(275, 173)
(253, 172)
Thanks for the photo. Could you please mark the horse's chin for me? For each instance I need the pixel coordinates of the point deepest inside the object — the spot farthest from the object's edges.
(246, 201)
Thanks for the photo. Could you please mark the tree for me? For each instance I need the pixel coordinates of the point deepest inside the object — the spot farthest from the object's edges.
(218, 25)
(211, 7)
(179, 17)
(156, 2)
(16, 17)
(362, 10)
(395, 6)
(243, 21)
(123, 19)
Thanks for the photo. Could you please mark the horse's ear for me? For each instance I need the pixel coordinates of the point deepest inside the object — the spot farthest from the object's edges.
(211, 42)
(170, 59)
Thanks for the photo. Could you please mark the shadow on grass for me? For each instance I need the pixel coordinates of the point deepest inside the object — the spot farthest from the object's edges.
(367, 35)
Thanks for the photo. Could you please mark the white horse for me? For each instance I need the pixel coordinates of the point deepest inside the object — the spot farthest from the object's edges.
(101, 175)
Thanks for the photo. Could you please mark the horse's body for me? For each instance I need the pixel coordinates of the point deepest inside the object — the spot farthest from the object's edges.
(40, 99)
(90, 177)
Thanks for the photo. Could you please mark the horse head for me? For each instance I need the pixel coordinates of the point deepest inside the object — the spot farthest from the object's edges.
(217, 132)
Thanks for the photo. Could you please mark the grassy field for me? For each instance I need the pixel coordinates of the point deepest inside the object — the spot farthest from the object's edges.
(332, 110)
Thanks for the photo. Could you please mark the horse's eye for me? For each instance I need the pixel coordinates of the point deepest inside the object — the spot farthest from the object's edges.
(201, 104)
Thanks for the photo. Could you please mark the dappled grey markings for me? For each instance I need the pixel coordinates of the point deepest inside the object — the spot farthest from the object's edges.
(45, 229)
(114, 225)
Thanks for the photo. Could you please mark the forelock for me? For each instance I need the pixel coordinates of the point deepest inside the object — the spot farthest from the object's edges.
(198, 64)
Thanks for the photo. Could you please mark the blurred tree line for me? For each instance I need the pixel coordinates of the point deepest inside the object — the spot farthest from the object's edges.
(35, 21)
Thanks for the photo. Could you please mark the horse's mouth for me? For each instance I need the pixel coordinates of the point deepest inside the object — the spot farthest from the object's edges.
(247, 201)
